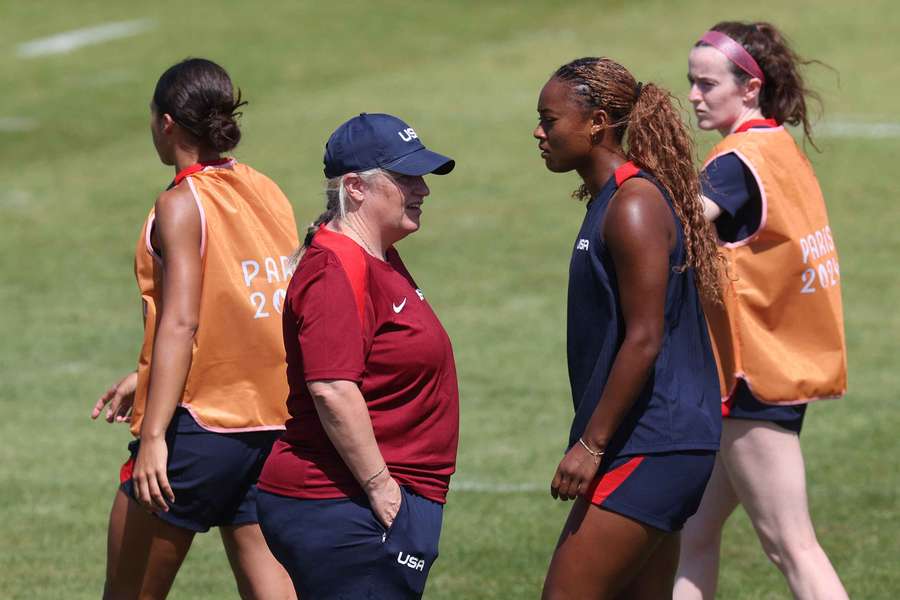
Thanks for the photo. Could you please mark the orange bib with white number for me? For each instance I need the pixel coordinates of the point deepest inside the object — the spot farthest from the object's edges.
(237, 378)
(782, 327)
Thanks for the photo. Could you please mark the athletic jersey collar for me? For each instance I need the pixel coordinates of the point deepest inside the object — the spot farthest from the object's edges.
(391, 251)
(755, 123)
(623, 173)
(196, 168)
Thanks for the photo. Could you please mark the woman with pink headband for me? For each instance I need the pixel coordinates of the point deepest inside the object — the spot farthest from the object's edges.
(778, 336)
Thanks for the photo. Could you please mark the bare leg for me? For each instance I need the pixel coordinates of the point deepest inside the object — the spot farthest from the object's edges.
(259, 576)
(657, 576)
(144, 553)
(114, 534)
(599, 553)
(766, 467)
(698, 570)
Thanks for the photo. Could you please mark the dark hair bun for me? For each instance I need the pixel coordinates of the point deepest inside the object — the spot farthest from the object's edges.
(222, 130)
(198, 95)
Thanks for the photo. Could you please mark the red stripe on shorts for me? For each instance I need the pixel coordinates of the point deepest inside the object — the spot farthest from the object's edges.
(727, 406)
(125, 471)
(609, 482)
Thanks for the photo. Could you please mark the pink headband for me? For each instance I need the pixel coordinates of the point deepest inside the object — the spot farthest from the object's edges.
(734, 52)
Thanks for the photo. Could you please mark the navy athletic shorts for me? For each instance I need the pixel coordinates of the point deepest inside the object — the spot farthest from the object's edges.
(661, 490)
(744, 405)
(213, 475)
(338, 549)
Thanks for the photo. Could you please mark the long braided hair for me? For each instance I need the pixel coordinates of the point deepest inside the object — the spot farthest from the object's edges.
(649, 128)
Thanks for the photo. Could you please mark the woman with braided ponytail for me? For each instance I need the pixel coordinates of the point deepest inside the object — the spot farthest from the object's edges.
(646, 429)
(779, 335)
(206, 402)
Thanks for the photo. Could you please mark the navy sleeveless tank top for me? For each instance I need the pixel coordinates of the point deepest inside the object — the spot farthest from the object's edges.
(678, 408)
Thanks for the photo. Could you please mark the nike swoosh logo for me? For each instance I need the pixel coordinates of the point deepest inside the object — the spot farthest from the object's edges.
(398, 307)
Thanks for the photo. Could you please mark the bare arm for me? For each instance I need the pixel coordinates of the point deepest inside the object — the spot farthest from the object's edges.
(639, 231)
(177, 233)
(344, 416)
(118, 400)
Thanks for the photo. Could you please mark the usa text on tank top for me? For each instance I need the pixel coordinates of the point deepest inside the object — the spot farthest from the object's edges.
(678, 409)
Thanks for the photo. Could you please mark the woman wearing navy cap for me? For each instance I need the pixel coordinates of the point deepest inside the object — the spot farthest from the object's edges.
(351, 498)
(779, 335)
(646, 429)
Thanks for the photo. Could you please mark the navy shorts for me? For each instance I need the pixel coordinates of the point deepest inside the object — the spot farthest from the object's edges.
(338, 549)
(744, 405)
(213, 475)
(660, 490)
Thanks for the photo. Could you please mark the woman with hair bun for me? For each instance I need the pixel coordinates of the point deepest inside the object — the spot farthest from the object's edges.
(779, 335)
(207, 400)
(646, 429)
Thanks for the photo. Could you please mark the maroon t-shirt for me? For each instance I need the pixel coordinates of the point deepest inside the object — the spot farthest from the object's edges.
(348, 315)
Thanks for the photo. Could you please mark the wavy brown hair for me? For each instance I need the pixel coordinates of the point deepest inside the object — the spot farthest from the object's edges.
(784, 94)
(649, 127)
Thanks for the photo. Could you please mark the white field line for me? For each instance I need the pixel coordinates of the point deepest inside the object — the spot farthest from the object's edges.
(68, 41)
(13, 198)
(497, 488)
(853, 129)
(13, 124)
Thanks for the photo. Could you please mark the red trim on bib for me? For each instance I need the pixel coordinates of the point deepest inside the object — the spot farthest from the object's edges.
(196, 168)
(756, 123)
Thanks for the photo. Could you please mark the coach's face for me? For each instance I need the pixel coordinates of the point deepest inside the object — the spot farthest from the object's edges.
(564, 128)
(399, 203)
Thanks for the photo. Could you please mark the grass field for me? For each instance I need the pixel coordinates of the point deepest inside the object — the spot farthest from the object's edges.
(79, 173)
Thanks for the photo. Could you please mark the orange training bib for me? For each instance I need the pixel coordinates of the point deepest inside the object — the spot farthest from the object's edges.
(237, 378)
(782, 327)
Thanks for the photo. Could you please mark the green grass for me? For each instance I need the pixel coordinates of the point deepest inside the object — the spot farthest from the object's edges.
(492, 255)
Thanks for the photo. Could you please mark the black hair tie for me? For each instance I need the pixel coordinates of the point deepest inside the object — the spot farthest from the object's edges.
(638, 89)
(310, 233)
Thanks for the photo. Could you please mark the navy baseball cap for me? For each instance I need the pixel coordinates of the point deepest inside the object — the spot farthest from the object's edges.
(374, 140)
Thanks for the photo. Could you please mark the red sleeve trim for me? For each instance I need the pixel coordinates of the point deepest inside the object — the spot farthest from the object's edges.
(353, 261)
(626, 172)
